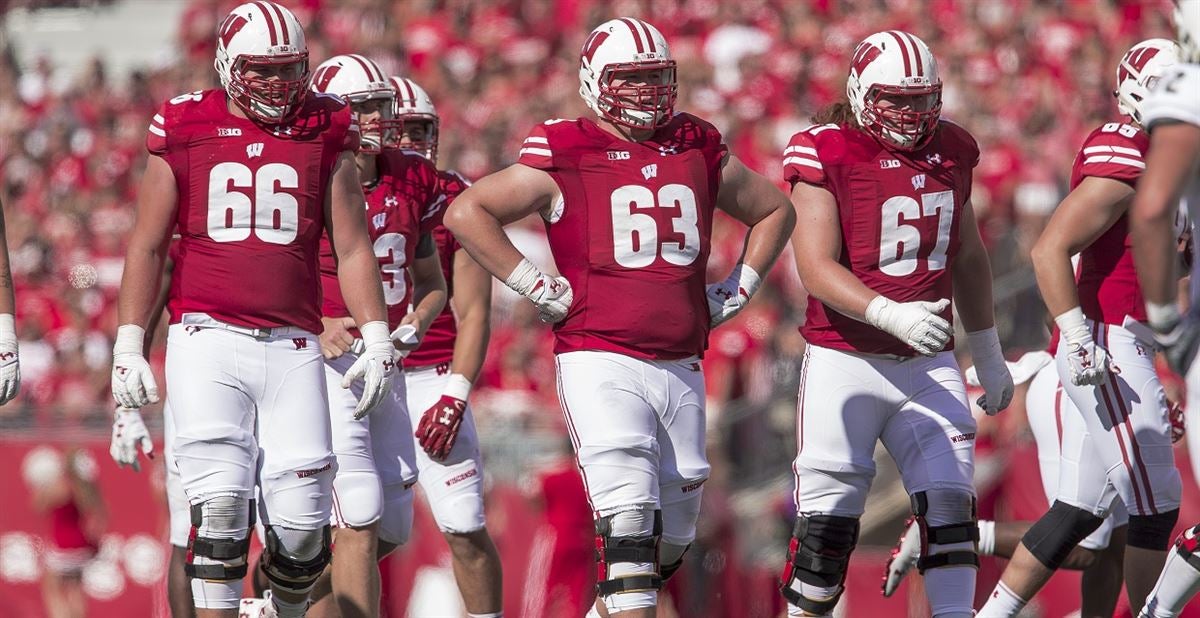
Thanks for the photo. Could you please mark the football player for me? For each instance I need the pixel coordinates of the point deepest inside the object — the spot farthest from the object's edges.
(1172, 117)
(252, 175)
(1116, 442)
(376, 466)
(885, 236)
(628, 199)
(439, 375)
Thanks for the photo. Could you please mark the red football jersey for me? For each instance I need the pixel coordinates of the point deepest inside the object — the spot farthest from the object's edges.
(404, 203)
(251, 207)
(1107, 281)
(899, 215)
(631, 233)
(438, 345)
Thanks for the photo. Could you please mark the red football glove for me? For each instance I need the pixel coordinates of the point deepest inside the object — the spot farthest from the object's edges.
(439, 426)
(1178, 422)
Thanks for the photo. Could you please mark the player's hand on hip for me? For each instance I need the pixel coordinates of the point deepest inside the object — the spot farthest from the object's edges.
(551, 295)
(727, 298)
(916, 323)
(335, 337)
(1087, 362)
(128, 435)
(438, 429)
(133, 384)
(10, 365)
(376, 366)
(407, 336)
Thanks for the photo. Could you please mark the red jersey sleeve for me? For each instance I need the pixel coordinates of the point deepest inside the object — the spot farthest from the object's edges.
(535, 150)
(802, 158)
(1114, 151)
(156, 133)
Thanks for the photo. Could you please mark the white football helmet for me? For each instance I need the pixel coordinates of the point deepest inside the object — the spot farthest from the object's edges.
(894, 64)
(357, 79)
(1142, 65)
(613, 51)
(263, 34)
(414, 107)
(1187, 26)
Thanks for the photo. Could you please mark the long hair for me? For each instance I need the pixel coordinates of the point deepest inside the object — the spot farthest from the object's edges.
(839, 112)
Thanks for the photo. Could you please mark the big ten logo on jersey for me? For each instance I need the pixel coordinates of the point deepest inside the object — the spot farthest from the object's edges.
(242, 202)
(618, 155)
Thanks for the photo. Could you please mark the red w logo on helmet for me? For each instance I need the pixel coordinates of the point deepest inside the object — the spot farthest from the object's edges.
(324, 76)
(864, 56)
(1136, 59)
(233, 24)
(592, 44)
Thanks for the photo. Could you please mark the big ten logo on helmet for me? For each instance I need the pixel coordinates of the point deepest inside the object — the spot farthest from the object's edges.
(618, 155)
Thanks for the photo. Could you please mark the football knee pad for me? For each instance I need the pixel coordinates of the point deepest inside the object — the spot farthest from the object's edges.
(1188, 546)
(219, 541)
(294, 559)
(949, 529)
(670, 558)
(1052, 537)
(1151, 532)
(625, 540)
(818, 556)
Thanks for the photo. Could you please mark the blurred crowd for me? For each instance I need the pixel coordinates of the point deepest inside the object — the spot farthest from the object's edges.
(1029, 78)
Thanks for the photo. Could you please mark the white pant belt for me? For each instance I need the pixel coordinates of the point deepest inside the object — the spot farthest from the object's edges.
(203, 320)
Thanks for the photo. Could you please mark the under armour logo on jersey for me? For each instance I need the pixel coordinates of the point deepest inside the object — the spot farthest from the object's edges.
(229, 132)
(933, 159)
(378, 220)
(666, 150)
(254, 150)
(390, 201)
(650, 171)
(301, 343)
(918, 181)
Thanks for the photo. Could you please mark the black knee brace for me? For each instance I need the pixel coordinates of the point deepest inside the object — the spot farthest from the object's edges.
(1188, 546)
(962, 532)
(1152, 532)
(1052, 537)
(818, 555)
(289, 573)
(223, 550)
(611, 549)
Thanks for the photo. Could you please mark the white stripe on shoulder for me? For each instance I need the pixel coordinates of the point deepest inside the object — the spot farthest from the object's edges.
(159, 119)
(541, 152)
(800, 149)
(533, 139)
(157, 131)
(1096, 160)
(805, 162)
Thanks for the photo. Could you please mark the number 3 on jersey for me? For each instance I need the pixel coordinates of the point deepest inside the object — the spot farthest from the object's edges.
(635, 234)
(272, 215)
(900, 242)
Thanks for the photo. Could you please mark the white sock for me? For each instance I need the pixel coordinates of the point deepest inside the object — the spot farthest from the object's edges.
(987, 537)
(1003, 603)
(1177, 584)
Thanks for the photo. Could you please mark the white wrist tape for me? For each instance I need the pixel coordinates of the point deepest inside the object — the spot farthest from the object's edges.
(985, 347)
(875, 310)
(376, 333)
(747, 279)
(523, 277)
(8, 326)
(457, 386)
(1073, 325)
(1160, 317)
(131, 339)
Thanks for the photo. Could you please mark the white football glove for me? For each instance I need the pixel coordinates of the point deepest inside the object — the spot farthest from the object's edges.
(551, 295)
(10, 366)
(1088, 362)
(133, 384)
(917, 323)
(128, 433)
(727, 298)
(992, 371)
(375, 366)
(1022, 371)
